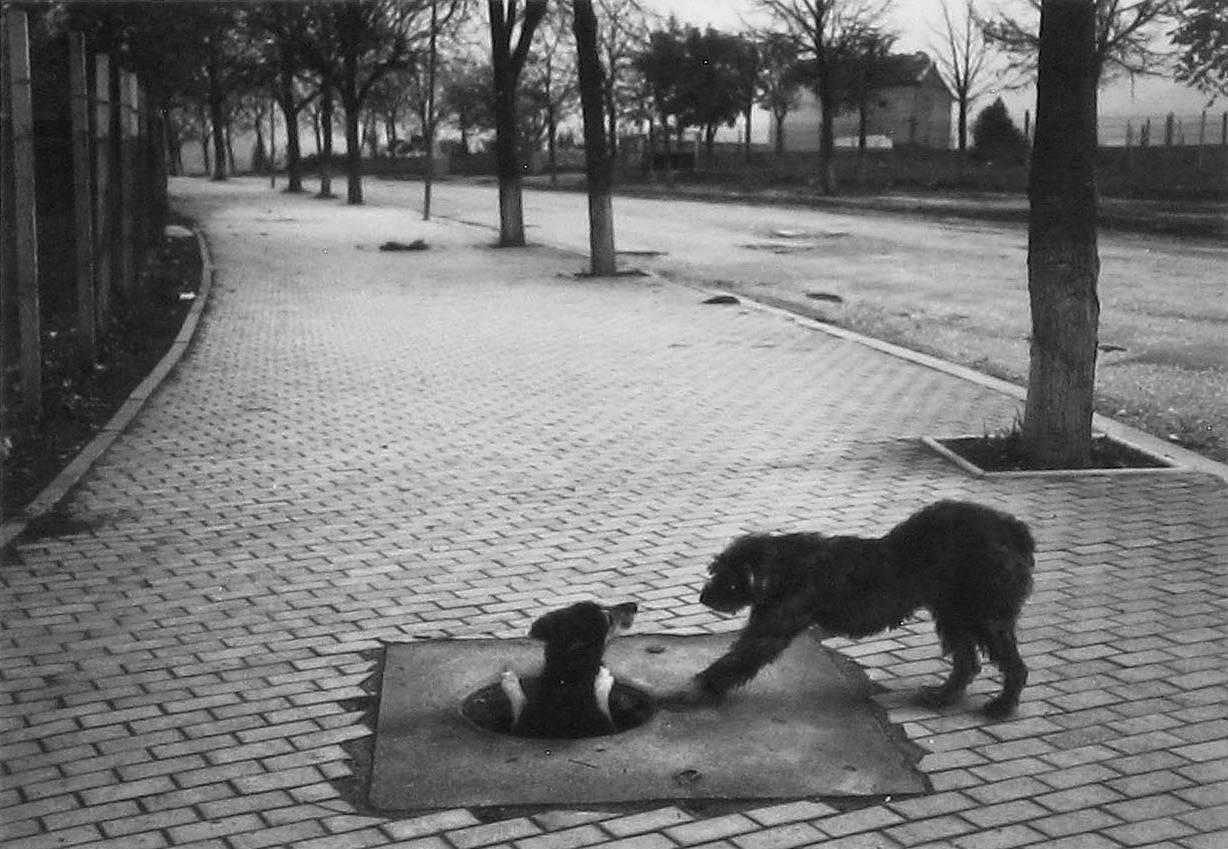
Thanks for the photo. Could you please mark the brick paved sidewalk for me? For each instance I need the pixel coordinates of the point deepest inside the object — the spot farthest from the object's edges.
(364, 446)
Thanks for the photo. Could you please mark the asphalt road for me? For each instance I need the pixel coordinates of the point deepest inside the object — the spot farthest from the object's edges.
(755, 243)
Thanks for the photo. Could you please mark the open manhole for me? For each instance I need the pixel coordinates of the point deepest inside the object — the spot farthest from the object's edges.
(488, 708)
(806, 727)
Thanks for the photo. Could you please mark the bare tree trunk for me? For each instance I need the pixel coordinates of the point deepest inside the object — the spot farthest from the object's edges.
(552, 143)
(746, 113)
(353, 155)
(430, 119)
(170, 138)
(294, 170)
(827, 149)
(326, 134)
(667, 139)
(863, 132)
(511, 212)
(1063, 263)
(353, 142)
(598, 164)
(217, 121)
(230, 147)
(261, 161)
(202, 115)
(508, 62)
(963, 123)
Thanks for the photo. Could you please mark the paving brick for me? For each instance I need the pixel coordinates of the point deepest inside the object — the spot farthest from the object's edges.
(489, 833)
(779, 837)
(561, 819)
(1075, 822)
(867, 819)
(429, 824)
(350, 840)
(1149, 832)
(570, 838)
(788, 812)
(711, 829)
(147, 840)
(293, 834)
(80, 816)
(215, 828)
(647, 821)
(641, 841)
(1004, 813)
(1002, 838)
(64, 837)
(148, 822)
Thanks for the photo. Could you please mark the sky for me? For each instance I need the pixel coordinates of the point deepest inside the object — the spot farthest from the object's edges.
(914, 20)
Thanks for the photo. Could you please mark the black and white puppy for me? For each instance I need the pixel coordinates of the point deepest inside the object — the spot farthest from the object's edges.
(571, 697)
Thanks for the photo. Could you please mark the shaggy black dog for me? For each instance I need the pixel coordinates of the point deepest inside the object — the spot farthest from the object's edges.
(571, 698)
(969, 565)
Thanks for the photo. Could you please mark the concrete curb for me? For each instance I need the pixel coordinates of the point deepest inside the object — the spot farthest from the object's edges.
(72, 474)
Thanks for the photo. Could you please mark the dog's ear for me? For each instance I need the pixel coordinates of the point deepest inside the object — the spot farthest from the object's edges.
(760, 577)
(545, 627)
(755, 555)
(620, 616)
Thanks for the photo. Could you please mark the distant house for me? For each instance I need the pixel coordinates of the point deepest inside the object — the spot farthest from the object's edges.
(912, 107)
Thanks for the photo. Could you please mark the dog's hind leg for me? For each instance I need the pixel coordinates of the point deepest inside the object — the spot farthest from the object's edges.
(1004, 652)
(965, 666)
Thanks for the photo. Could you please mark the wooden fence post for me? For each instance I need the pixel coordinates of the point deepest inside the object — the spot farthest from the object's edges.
(145, 202)
(8, 270)
(128, 211)
(104, 231)
(1169, 121)
(24, 210)
(83, 199)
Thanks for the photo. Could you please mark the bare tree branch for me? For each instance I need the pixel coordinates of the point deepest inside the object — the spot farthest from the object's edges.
(1126, 37)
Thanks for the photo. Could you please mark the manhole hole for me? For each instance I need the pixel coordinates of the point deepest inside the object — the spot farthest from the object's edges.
(488, 708)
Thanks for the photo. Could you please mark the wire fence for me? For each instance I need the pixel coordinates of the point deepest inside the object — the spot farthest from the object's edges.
(1171, 130)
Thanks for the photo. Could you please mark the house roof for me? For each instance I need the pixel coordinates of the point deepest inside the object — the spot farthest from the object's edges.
(903, 69)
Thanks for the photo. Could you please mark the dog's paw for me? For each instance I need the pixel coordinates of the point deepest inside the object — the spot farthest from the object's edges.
(999, 708)
(938, 697)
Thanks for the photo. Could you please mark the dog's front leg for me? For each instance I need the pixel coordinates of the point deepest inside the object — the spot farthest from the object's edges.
(763, 639)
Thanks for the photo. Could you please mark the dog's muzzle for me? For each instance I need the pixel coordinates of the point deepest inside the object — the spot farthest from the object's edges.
(717, 604)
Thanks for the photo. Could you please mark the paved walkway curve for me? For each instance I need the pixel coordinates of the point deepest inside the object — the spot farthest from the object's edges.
(365, 446)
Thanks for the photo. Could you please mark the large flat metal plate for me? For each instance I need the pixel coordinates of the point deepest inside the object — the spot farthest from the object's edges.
(804, 728)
